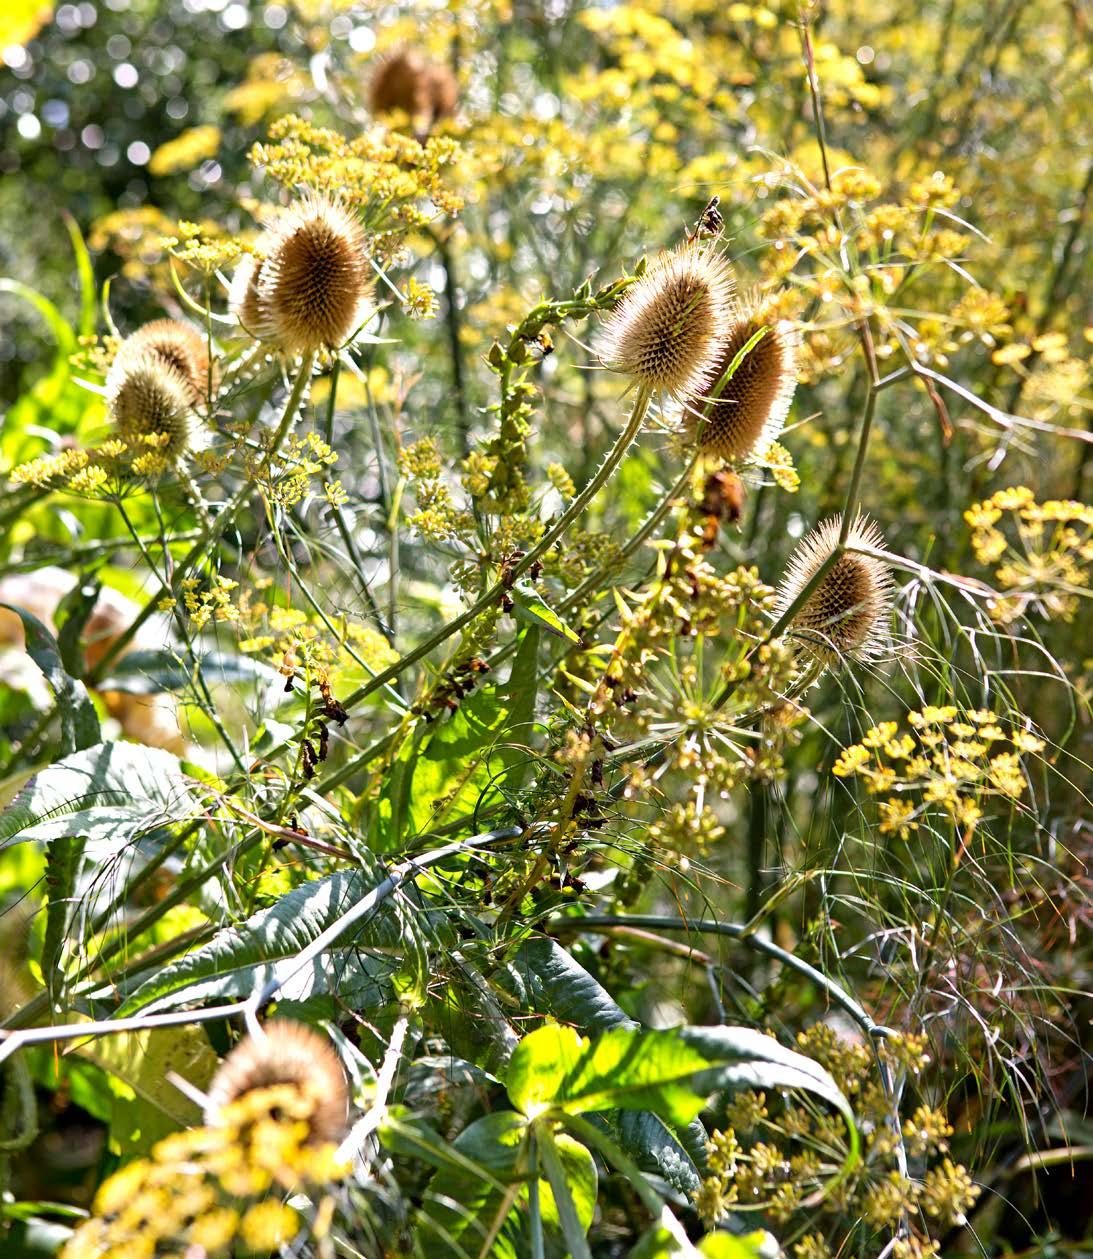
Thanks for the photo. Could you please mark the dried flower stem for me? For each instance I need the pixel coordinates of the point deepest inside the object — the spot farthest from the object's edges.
(353, 1145)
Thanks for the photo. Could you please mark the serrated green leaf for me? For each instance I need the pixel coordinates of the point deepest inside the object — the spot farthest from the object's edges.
(624, 1069)
(240, 958)
(124, 776)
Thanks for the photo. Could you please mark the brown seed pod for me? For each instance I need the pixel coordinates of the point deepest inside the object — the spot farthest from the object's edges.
(146, 397)
(847, 614)
(407, 83)
(313, 289)
(668, 329)
(748, 409)
(178, 345)
(286, 1053)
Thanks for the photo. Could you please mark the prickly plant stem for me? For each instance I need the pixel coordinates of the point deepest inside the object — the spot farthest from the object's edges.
(571, 514)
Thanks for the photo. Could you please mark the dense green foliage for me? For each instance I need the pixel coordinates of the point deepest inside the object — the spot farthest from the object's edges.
(544, 695)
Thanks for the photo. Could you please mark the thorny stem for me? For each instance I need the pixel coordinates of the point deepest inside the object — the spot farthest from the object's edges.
(499, 587)
(849, 511)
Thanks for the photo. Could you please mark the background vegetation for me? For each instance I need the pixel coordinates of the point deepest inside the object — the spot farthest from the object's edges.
(365, 716)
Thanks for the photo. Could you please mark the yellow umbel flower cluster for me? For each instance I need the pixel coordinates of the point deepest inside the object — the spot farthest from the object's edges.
(1042, 552)
(217, 1190)
(952, 758)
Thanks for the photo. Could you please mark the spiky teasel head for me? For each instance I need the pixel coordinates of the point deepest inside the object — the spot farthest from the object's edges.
(668, 330)
(178, 345)
(406, 82)
(151, 404)
(312, 289)
(293, 1055)
(740, 416)
(847, 614)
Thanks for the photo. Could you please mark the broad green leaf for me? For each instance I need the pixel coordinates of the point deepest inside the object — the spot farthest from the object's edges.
(571, 1174)
(79, 722)
(670, 1072)
(624, 1069)
(530, 606)
(240, 958)
(461, 1204)
(142, 1061)
(540, 1065)
(656, 1148)
(547, 980)
(741, 1057)
(453, 766)
(123, 776)
(756, 1245)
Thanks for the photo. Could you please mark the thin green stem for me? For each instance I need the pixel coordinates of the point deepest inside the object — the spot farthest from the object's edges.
(746, 935)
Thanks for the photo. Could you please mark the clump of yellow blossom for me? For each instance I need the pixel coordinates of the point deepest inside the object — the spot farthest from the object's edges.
(955, 759)
(220, 1190)
(1042, 552)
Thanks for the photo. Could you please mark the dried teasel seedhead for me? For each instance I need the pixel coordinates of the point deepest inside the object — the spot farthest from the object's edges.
(313, 288)
(407, 83)
(178, 345)
(848, 613)
(668, 330)
(291, 1054)
(146, 397)
(740, 416)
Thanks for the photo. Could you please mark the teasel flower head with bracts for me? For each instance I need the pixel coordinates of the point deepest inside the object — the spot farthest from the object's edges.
(741, 414)
(406, 82)
(312, 288)
(293, 1056)
(847, 615)
(178, 345)
(151, 404)
(668, 330)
